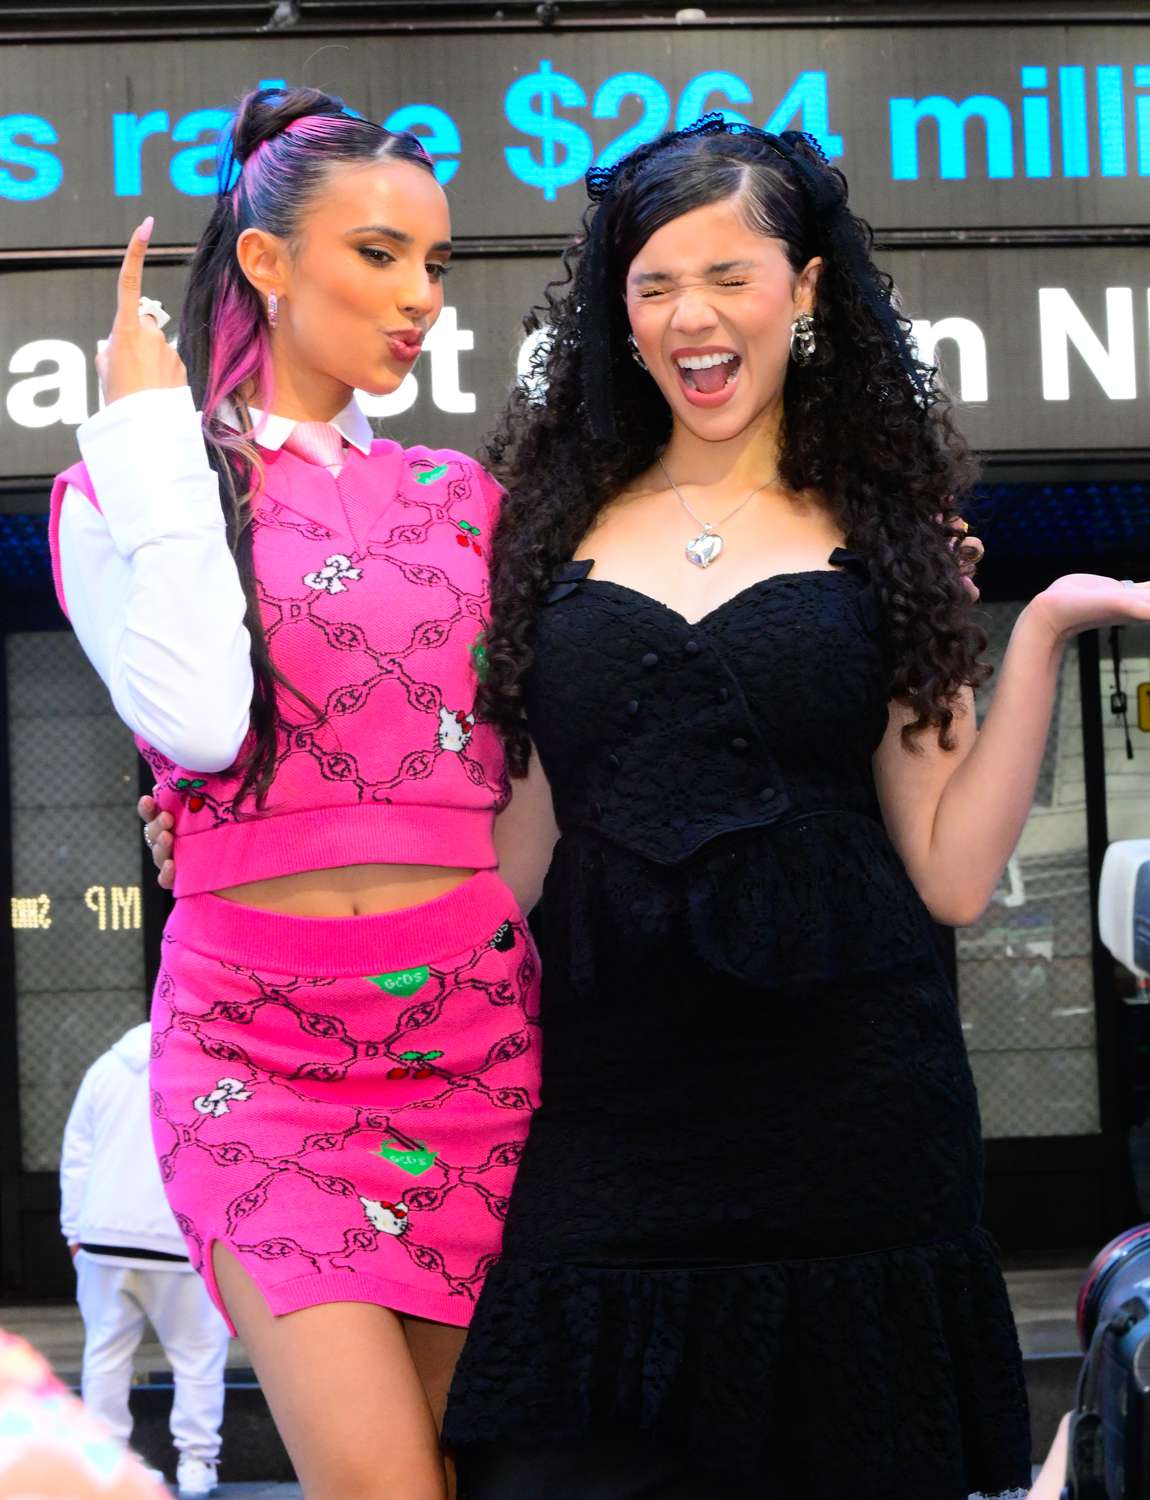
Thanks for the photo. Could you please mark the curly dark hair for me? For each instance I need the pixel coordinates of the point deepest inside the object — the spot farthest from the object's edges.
(865, 423)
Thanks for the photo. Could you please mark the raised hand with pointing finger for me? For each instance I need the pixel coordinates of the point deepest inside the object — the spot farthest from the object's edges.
(137, 356)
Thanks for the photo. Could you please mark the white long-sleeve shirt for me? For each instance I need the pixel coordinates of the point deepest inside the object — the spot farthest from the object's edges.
(152, 588)
(110, 1189)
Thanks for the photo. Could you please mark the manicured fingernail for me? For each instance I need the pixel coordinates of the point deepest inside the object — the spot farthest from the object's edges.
(145, 230)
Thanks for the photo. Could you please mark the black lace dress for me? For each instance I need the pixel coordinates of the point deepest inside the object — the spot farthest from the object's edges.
(747, 1217)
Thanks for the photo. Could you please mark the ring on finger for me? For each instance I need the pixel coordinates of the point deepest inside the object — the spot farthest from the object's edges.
(1128, 583)
(148, 839)
(151, 308)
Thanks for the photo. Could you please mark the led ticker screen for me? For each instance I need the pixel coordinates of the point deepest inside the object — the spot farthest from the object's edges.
(935, 126)
(941, 127)
(1047, 349)
(117, 908)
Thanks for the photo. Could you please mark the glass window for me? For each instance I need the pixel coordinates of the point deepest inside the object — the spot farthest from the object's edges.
(1025, 980)
(1127, 777)
(76, 911)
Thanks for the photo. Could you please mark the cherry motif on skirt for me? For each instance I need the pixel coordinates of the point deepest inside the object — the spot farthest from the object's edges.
(467, 536)
(191, 790)
(415, 1065)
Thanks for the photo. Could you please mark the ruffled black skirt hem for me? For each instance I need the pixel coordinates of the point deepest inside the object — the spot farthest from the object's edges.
(890, 1375)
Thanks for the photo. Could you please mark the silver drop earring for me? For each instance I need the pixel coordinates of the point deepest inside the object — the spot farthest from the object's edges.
(635, 355)
(803, 340)
(273, 309)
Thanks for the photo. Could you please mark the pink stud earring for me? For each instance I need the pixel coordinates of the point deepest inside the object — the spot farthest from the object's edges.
(273, 309)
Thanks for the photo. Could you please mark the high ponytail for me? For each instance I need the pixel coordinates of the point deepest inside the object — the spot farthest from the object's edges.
(274, 160)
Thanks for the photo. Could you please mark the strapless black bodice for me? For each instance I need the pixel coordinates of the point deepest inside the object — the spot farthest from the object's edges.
(660, 734)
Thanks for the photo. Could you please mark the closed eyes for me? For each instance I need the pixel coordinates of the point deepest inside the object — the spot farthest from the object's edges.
(662, 292)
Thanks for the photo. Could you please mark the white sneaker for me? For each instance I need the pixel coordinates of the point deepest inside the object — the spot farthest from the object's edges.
(196, 1478)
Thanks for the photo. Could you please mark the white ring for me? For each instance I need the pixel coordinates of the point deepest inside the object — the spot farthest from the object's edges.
(1128, 583)
(151, 308)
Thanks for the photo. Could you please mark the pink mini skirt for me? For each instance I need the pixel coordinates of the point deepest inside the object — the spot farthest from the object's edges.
(343, 1102)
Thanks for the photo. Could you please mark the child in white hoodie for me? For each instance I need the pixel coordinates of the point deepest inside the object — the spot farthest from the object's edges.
(132, 1265)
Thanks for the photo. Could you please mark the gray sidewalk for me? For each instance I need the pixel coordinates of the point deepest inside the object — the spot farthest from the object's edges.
(257, 1492)
(1043, 1299)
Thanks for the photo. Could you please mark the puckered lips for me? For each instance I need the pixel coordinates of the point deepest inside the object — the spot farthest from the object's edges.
(708, 373)
(405, 344)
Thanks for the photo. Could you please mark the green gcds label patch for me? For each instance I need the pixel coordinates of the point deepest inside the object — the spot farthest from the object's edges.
(413, 1162)
(429, 476)
(402, 981)
(479, 657)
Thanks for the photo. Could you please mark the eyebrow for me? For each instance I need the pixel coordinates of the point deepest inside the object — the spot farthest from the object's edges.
(396, 234)
(720, 268)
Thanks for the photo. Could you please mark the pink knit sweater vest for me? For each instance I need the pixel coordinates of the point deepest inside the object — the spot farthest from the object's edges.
(374, 594)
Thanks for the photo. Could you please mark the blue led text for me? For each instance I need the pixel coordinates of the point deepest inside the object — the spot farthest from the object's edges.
(1090, 135)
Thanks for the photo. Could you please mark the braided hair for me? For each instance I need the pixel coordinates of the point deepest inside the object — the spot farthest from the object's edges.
(865, 422)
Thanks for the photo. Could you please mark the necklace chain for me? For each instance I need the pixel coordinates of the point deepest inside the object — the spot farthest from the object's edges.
(708, 529)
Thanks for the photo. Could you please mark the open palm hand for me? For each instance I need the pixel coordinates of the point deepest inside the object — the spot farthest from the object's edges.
(1089, 601)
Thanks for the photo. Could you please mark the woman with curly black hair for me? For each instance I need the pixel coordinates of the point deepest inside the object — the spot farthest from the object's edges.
(744, 1253)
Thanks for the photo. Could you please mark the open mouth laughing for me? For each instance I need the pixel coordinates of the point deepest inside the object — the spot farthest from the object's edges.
(707, 376)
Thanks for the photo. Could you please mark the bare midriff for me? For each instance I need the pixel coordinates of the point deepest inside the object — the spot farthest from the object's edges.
(349, 890)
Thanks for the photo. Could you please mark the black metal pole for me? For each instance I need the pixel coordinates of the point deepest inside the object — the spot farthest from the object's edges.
(1118, 1197)
(155, 904)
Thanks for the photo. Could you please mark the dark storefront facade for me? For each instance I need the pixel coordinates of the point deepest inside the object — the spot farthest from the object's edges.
(1003, 155)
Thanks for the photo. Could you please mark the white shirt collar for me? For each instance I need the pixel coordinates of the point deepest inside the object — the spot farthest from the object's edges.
(274, 432)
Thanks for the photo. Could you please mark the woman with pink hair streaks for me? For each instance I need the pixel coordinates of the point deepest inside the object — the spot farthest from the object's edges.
(290, 614)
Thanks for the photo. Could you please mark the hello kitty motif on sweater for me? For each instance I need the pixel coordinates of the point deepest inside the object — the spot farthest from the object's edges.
(374, 597)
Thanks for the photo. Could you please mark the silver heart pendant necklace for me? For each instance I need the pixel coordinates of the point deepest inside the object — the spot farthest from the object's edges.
(707, 547)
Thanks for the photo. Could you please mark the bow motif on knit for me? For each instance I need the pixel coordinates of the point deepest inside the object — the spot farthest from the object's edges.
(218, 1102)
(330, 578)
